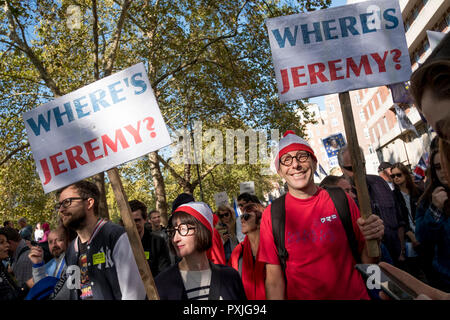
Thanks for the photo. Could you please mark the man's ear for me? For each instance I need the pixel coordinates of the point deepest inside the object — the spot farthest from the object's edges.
(90, 203)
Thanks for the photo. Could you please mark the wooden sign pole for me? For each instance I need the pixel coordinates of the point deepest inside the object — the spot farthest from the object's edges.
(359, 170)
(133, 236)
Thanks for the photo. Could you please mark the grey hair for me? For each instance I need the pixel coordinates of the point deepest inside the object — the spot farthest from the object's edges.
(344, 149)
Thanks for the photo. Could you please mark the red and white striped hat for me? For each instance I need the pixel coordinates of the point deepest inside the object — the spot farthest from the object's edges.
(199, 210)
(292, 142)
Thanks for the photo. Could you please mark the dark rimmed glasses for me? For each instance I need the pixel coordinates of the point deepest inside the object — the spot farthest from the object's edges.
(398, 175)
(67, 202)
(183, 230)
(301, 156)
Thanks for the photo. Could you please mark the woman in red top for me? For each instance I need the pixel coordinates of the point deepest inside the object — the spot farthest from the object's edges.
(244, 256)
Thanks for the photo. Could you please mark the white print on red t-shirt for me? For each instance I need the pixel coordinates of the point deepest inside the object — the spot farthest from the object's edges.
(329, 218)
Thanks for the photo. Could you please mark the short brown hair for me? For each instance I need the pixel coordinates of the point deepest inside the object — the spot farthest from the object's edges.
(86, 189)
(203, 237)
(256, 208)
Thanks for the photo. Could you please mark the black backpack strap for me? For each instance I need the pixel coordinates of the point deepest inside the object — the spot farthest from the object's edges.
(278, 213)
(341, 203)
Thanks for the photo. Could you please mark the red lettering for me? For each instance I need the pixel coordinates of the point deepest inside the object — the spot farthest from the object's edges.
(45, 171)
(113, 145)
(296, 76)
(285, 79)
(56, 164)
(135, 132)
(334, 70)
(380, 61)
(357, 69)
(91, 150)
(313, 74)
(74, 158)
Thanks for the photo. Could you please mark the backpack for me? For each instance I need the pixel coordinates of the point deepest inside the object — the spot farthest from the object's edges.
(278, 214)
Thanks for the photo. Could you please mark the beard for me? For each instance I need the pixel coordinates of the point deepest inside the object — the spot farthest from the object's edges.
(75, 220)
(56, 252)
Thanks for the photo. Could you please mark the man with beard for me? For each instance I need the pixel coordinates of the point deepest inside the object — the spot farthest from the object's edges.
(383, 204)
(100, 258)
(55, 267)
(318, 263)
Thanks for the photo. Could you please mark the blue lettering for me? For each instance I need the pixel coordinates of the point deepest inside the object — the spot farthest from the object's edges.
(95, 101)
(79, 107)
(138, 83)
(114, 93)
(316, 31)
(348, 24)
(58, 114)
(287, 35)
(390, 18)
(41, 122)
(327, 29)
(365, 27)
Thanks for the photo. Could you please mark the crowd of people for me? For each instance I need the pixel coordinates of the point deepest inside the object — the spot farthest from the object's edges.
(304, 245)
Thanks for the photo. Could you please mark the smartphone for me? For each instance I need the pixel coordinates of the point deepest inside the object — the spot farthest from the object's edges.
(390, 285)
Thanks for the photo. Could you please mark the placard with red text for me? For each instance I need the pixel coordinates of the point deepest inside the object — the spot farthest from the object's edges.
(339, 49)
(95, 128)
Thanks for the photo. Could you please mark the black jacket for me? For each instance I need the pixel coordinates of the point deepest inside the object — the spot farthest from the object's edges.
(158, 252)
(225, 283)
(413, 199)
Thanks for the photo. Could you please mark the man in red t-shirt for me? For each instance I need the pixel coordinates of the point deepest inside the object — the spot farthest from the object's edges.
(320, 264)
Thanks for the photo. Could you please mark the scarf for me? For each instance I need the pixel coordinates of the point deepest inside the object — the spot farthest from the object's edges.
(253, 275)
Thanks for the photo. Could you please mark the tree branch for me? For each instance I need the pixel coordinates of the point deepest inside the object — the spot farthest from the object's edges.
(109, 62)
(12, 153)
(22, 43)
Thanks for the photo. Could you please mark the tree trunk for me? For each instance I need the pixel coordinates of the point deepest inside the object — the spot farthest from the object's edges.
(160, 188)
(99, 180)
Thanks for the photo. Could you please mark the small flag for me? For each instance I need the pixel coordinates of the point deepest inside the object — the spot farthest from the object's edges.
(322, 170)
(419, 170)
(239, 235)
(404, 120)
(400, 93)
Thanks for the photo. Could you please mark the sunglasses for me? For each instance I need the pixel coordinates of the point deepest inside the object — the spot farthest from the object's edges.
(223, 215)
(348, 168)
(246, 216)
(398, 175)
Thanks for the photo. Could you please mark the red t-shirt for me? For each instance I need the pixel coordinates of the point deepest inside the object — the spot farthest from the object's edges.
(320, 264)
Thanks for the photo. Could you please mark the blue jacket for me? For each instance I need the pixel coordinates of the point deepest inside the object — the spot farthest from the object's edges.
(433, 230)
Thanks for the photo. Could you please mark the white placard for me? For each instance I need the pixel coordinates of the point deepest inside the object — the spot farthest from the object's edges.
(248, 187)
(221, 198)
(95, 128)
(339, 49)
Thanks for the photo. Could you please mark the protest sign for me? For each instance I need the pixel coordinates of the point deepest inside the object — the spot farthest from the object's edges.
(95, 128)
(339, 49)
(247, 187)
(221, 198)
(333, 143)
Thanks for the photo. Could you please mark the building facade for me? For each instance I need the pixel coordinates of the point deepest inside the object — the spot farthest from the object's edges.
(379, 133)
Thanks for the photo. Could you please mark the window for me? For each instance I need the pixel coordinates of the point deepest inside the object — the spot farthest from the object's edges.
(386, 124)
(362, 116)
(368, 111)
(332, 108)
(358, 99)
(366, 133)
(380, 103)
(325, 130)
(379, 129)
(371, 149)
(334, 122)
(374, 135)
